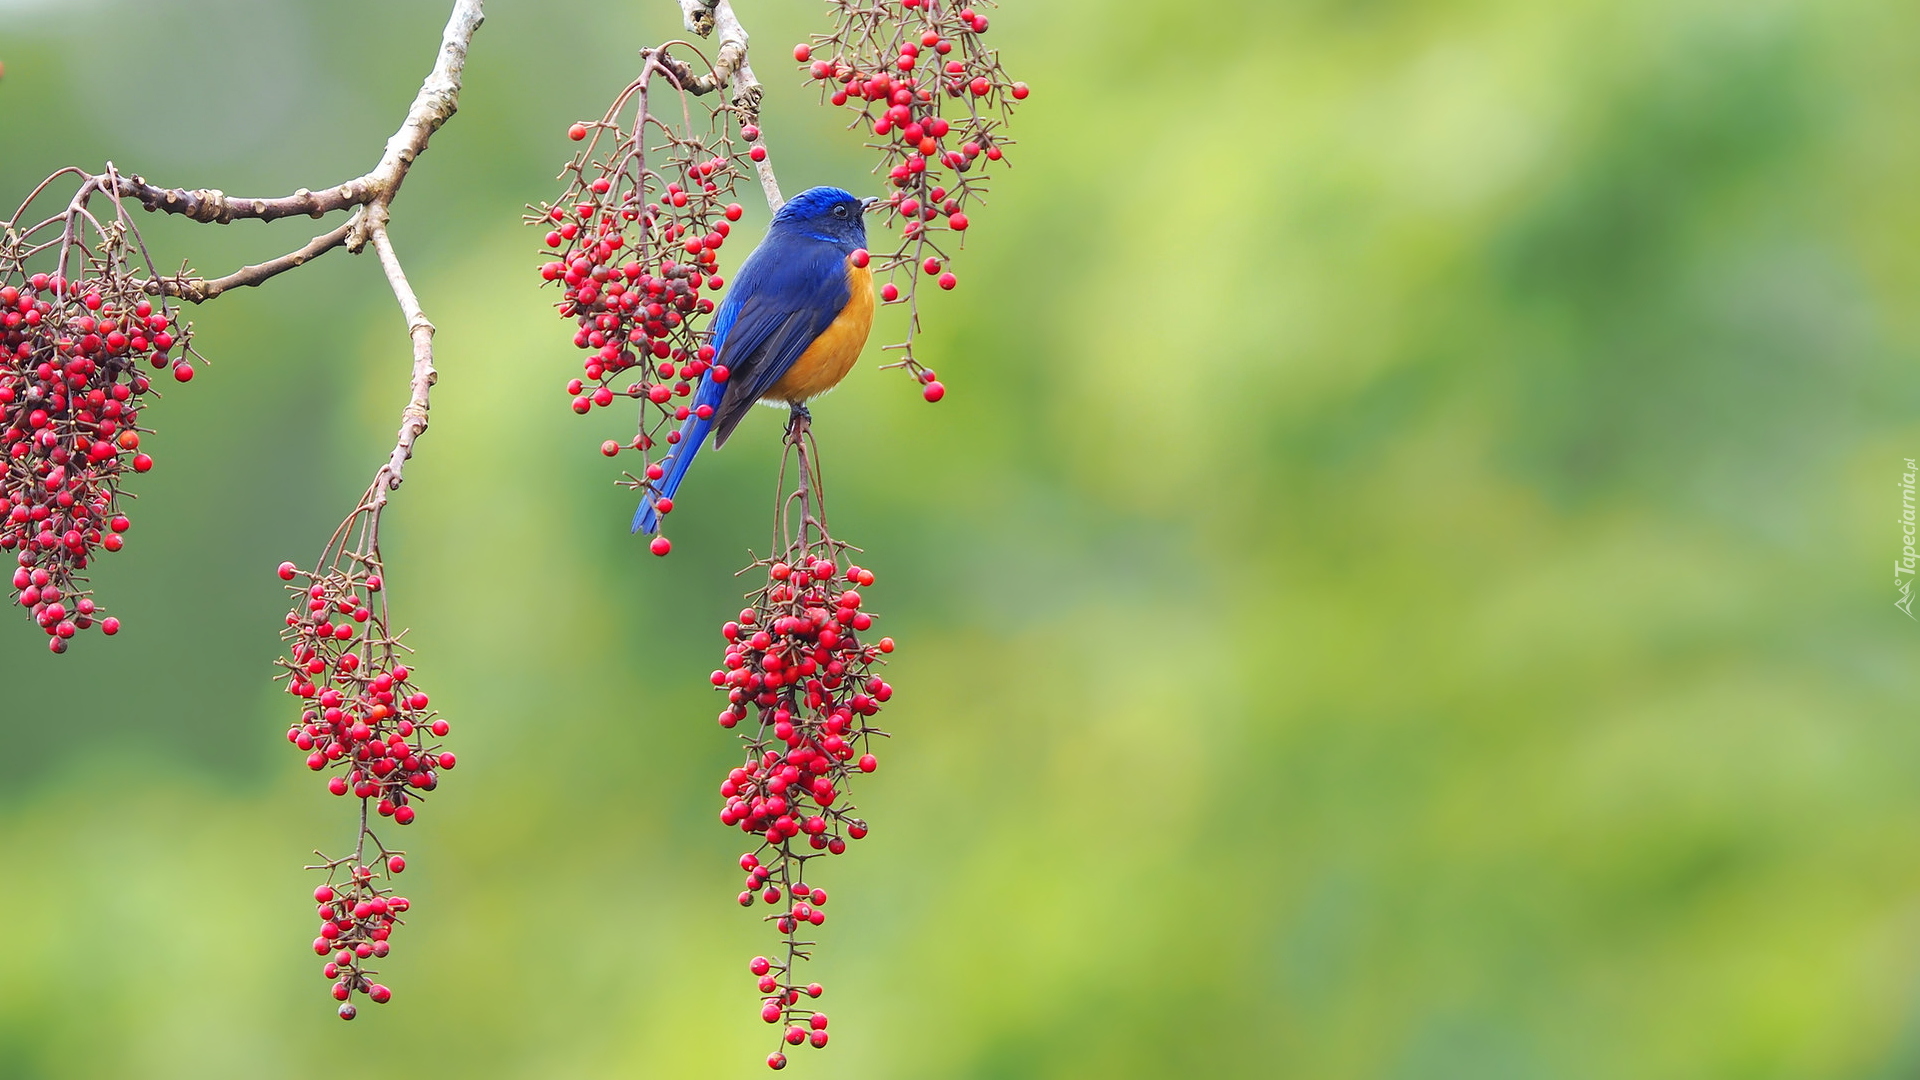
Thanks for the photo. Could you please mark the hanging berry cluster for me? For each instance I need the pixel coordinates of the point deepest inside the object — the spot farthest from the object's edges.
(76, 322)
(637, 235)
(938, 101)
(800, 679)
(72, 341)
(364, 722)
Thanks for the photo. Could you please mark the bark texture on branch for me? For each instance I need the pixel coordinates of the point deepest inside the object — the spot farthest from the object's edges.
(698, 15)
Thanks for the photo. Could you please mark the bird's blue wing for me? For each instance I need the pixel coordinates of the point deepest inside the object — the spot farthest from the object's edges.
(787, 294)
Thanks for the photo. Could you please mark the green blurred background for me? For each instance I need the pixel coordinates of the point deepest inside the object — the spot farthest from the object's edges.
(1399, 586)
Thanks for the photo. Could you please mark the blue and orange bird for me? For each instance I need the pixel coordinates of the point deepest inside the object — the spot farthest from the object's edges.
(791, 329)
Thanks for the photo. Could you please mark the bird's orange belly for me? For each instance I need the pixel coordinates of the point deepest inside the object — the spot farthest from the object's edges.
(834, 352)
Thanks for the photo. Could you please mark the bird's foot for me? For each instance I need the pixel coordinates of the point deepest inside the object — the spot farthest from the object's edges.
(799, 421)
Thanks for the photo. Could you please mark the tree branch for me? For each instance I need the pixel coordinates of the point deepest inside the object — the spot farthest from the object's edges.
(413, 419)
(730, 68)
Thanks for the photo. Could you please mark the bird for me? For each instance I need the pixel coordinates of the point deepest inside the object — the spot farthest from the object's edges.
(790, 330)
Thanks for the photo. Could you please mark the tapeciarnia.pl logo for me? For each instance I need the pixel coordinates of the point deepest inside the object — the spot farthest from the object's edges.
(1905, 563)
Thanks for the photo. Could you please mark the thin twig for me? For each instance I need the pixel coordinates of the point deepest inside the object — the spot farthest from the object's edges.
(200, 290)
(413, 419)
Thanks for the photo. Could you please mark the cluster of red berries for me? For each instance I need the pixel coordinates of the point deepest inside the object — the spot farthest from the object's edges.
(795, 665)
(356, 921)
(637, 241)
(364, 721)
(71, 393)
(938, 101)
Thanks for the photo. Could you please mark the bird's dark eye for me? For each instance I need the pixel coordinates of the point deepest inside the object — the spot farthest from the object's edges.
(840, 211)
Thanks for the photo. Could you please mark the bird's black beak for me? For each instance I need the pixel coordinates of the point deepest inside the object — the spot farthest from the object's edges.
(870, 203)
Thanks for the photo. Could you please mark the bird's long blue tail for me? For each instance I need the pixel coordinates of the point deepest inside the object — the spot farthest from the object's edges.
(693, 434)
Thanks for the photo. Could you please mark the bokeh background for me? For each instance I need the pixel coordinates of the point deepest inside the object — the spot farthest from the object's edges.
(1400, 585)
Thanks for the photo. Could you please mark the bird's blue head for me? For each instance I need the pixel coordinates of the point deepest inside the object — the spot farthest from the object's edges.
(826, 213)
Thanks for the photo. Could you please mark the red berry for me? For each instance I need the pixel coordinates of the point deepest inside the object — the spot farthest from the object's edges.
(934, 392)
(396, 864)
(776, 1061)
(802, 53)
(947, 280)
(577, 132)
(660, 546)
(109, 626)
(287, 570)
